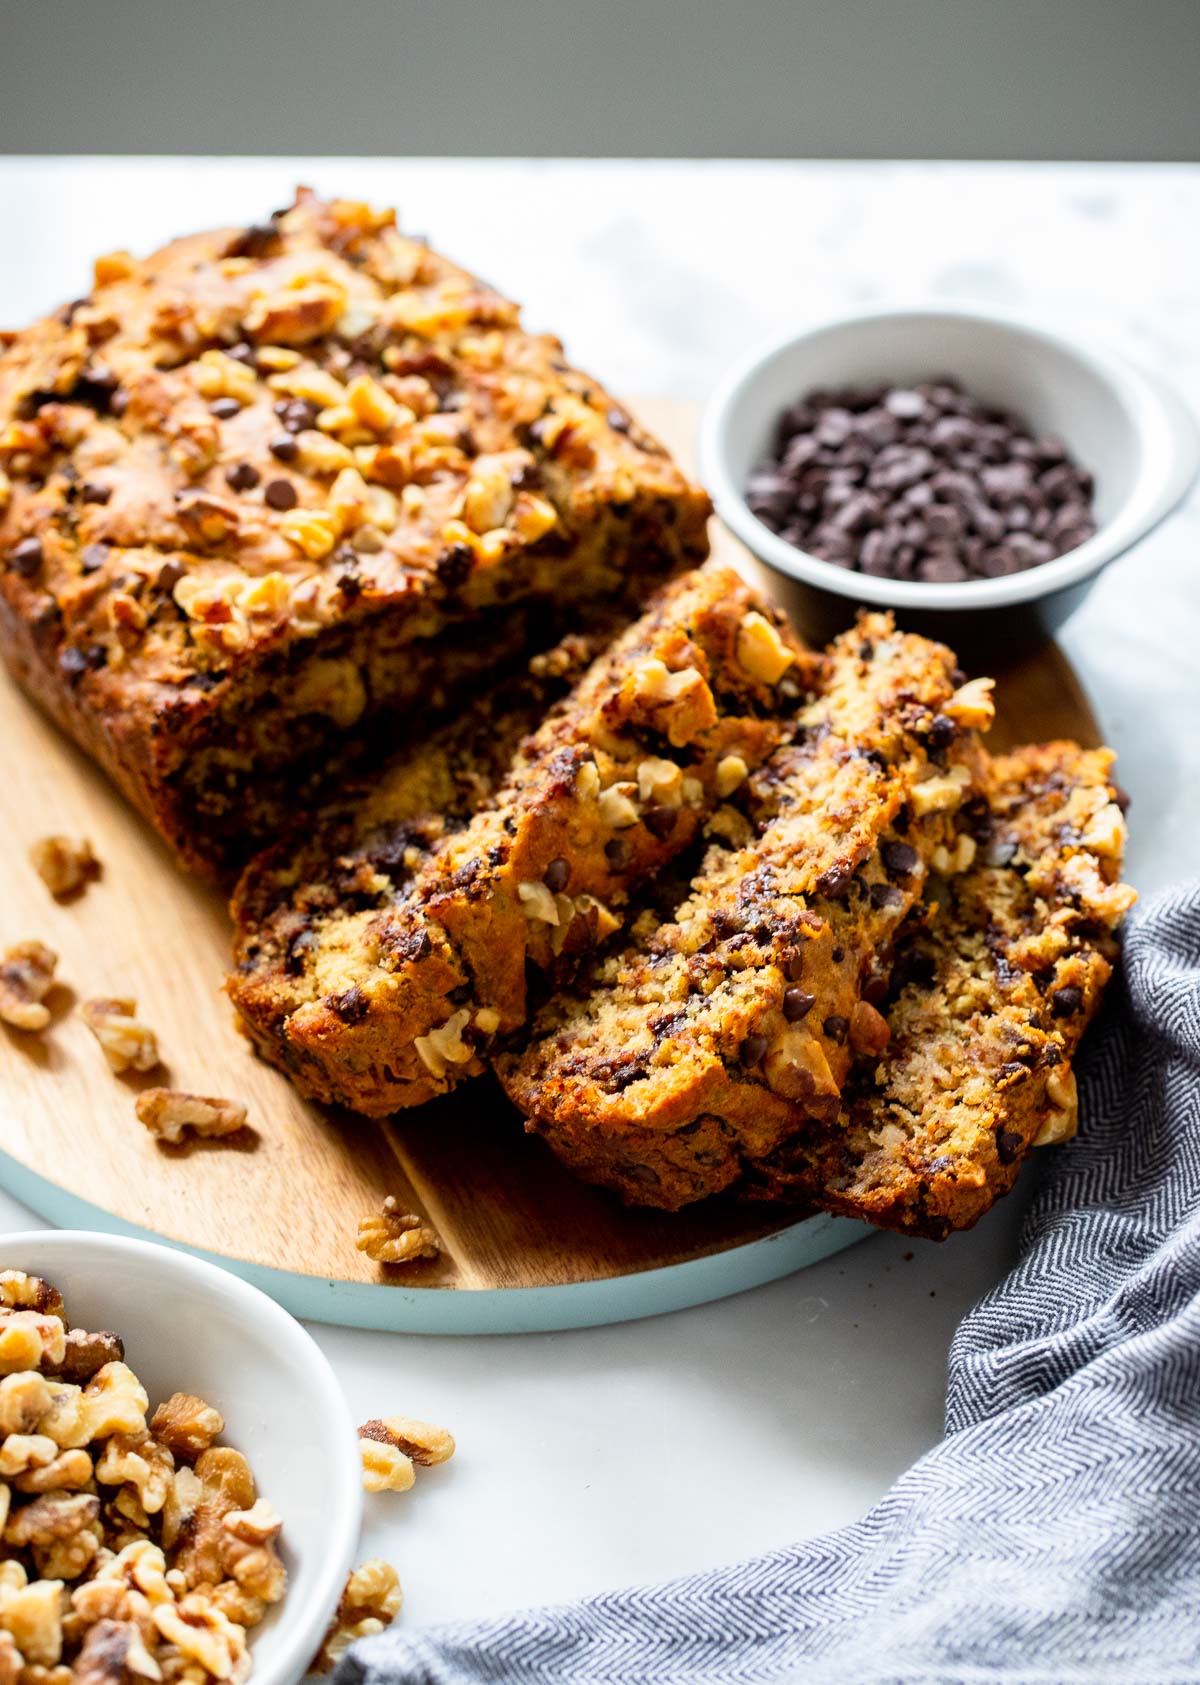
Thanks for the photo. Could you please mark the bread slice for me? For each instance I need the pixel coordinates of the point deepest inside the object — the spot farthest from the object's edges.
(992, 993)
(389, 1004)
(714, 1037)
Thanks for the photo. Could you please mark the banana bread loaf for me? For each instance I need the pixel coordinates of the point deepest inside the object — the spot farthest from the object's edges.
(275, 488)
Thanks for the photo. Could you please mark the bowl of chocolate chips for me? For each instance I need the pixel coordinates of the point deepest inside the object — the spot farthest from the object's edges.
(943, 463)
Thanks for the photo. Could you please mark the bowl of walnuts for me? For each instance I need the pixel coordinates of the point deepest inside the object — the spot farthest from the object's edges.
(180, 1480)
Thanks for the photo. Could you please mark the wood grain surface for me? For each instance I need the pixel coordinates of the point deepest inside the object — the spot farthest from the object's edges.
(290, 1196)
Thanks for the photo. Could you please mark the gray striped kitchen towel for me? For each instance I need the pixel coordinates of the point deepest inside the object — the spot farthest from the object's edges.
(1054, 1534)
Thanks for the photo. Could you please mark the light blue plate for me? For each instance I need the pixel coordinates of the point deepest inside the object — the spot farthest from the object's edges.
(498, 1310)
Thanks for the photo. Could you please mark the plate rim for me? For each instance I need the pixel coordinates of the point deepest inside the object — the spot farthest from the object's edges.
(393, 1308)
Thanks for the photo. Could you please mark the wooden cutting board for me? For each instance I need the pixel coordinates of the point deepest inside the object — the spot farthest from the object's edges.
(525, 1245)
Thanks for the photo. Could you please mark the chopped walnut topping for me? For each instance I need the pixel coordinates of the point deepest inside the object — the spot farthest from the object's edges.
(941, 793)
(972, 706)
(396, 1237)
(950, 861)
(1063, 1120)
(660, 782)
(732, 771)
(761, 651)
(537, 902)
(371, 1601)
(617, 806)
(64, 865)
(26, 978)
(127, 1043)
(186, 1425)
(168, 1112)
(445, 1046)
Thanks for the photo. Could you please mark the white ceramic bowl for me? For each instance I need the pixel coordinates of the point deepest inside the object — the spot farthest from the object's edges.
(191, 1327)
(1129, 429)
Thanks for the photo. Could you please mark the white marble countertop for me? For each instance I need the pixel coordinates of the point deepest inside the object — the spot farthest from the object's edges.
(596, 1458)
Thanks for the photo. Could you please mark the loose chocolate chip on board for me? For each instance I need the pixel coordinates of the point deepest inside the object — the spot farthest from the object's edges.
(923, 483)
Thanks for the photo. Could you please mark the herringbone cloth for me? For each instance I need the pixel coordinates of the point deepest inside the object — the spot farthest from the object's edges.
(1054, 1534)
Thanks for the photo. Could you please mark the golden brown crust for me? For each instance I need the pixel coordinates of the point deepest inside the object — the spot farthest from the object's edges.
(245, 477)
(393, 1001)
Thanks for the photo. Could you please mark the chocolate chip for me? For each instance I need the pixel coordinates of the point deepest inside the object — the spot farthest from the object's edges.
(1065, 1002)
(297, 414)
(243, 352)
(796, 1004)
(300, 944)
(836, 1028)
(919, 482)
(351, 1006)
(1008, 1145)
(556, 875)
(284, 448)
(242, 476)
(280, 494)
(835, 879)
(225, 408)
(754, 1050)
(455, 565)
(616, 852)
(93, 558)
(659, 821)
(885, 895)
(92, 492)
(900, 859)
(168, 577)
(618, 420)
(26, 557)
(460, 996)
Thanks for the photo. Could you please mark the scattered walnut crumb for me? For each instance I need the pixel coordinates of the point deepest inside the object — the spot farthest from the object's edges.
(26, 978)
(385, 1467)
(119, 1565)
(64, 865)
(371, 1601)
(169, 1112)
(128, 1044)
(422, 1441)
(396, 1237)
(390, 1445)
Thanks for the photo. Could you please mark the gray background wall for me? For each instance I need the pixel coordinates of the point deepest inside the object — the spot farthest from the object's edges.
(1103, 79)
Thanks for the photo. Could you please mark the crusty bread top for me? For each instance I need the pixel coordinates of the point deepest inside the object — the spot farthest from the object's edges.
(257, 433)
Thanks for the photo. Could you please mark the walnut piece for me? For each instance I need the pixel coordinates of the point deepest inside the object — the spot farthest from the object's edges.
(395, 1236)
(168, 1112)
(422, 1441)
(371, 1601)
(128, 1044)
(186, 1425)
(64, 865)
(26, 978)
(385, 1467)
